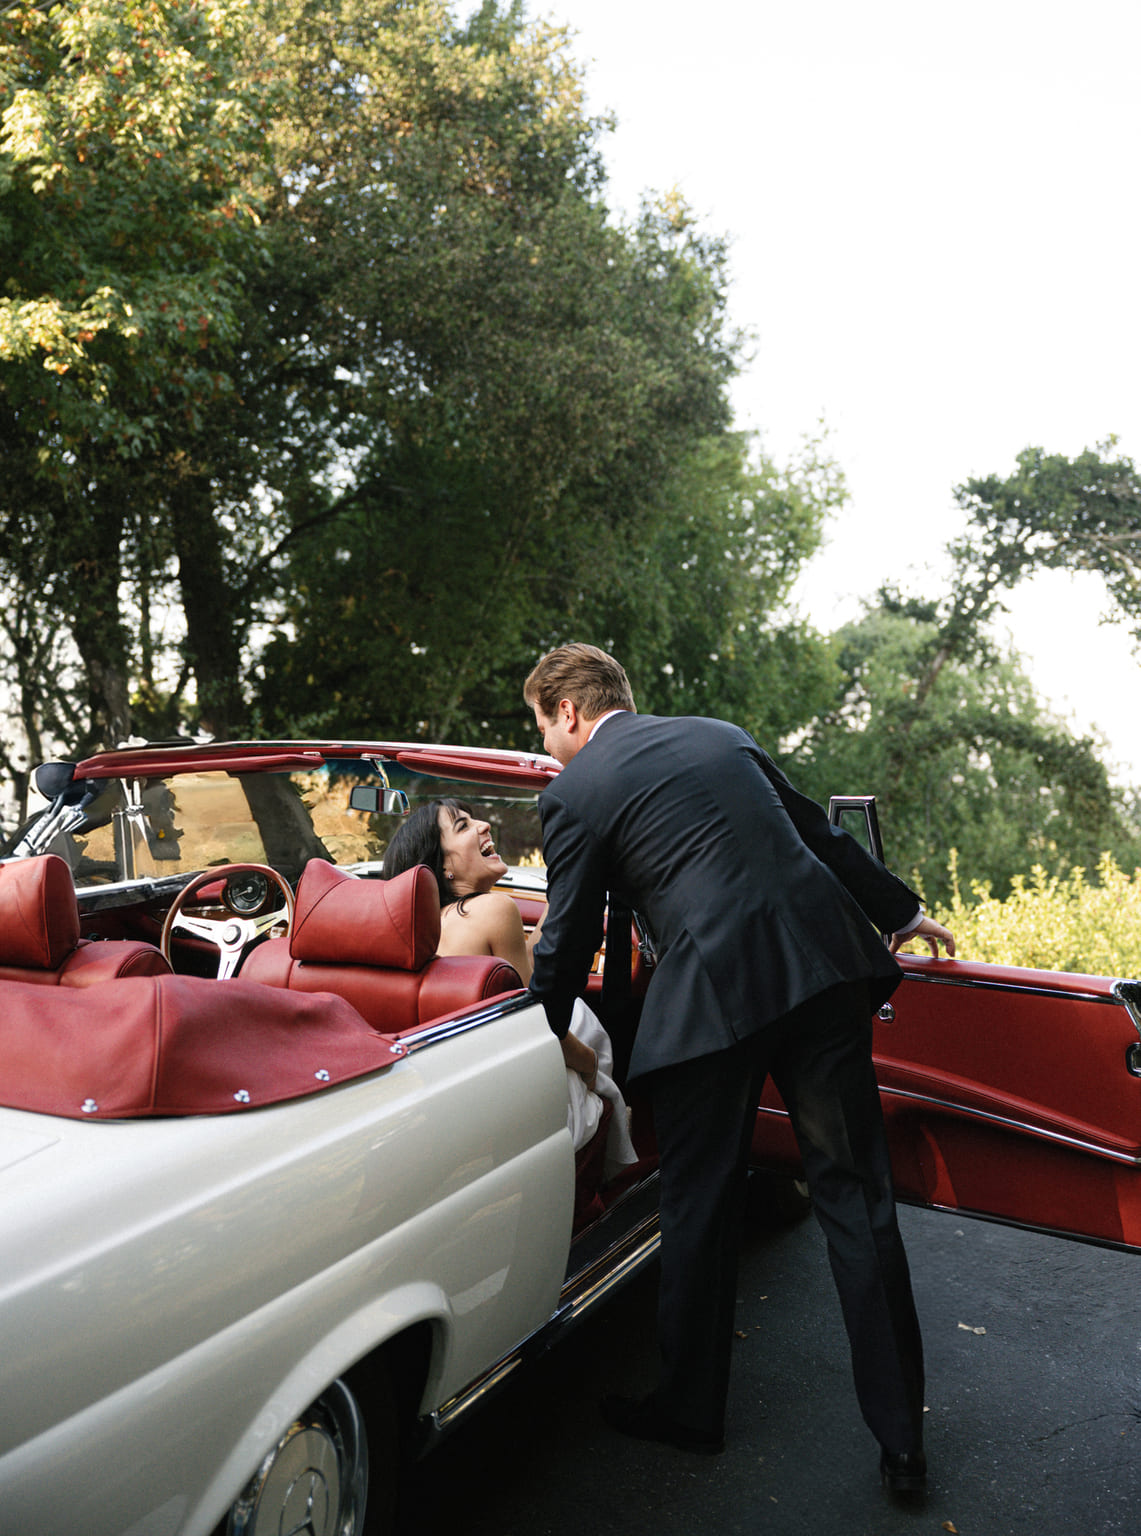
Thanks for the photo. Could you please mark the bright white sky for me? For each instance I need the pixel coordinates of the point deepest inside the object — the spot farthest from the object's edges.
(935, 225)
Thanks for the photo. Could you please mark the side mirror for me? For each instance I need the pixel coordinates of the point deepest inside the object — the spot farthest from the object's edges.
(52, 779)
(97, 799)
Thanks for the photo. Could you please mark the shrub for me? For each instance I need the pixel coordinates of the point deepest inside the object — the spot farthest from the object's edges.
(1051, 922)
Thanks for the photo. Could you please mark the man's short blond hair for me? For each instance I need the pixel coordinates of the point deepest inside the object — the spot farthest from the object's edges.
(592, 680)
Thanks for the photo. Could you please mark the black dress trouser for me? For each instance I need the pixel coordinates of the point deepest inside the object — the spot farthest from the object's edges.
(819, 1056)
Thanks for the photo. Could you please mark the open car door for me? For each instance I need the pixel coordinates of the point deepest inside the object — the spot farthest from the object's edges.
(1015, 1094)
(1007, 1093)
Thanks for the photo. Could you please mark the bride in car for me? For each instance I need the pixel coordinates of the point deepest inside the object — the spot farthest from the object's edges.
(446, 836)
(476, 919)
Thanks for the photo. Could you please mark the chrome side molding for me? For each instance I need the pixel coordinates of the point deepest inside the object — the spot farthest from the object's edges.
(1129, 993)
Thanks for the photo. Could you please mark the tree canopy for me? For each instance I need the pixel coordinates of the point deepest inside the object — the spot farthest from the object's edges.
(332, 392)
(945, 729)
(128, 137)
(968, 761)
(1053, 512)
(127, 215)
(316, 326)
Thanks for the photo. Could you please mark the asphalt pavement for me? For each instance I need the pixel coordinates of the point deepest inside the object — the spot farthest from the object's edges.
(1034, 1407)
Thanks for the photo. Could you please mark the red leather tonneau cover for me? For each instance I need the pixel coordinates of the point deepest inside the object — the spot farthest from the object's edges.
(177, 1045)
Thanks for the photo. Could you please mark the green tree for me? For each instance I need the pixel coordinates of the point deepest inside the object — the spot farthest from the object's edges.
(434, 338)
(317, 317)
(686, 587)
(557, 372)
(1051, 513)
(125, 213)
(127, 221)
(985, 769)
(693, 595)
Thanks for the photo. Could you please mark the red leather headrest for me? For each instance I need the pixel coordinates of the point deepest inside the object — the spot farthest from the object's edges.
(339, 919)
(39, 915)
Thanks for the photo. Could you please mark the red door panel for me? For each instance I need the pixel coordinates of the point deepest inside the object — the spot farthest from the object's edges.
(1013, 1093)
(1007, 1093)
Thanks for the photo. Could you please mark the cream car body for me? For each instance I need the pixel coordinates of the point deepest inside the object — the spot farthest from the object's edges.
(176, 1291)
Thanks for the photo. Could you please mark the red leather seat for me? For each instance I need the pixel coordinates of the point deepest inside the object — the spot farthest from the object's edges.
(39, 932)
(373, 942)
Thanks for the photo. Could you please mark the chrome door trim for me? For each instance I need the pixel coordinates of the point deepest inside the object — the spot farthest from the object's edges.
(631, 1253)
(1123, 993)
(600, 1280)
(447, 1029)
(1128, 993)
(984, 985)
(1130, 1159)
(1065, 1233)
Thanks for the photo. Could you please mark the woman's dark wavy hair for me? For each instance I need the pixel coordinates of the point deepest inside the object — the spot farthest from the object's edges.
(417, 841)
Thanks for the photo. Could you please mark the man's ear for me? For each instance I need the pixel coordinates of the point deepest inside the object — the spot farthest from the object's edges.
(569, 712)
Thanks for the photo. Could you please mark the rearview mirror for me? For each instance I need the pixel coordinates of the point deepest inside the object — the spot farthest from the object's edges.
(376, 801)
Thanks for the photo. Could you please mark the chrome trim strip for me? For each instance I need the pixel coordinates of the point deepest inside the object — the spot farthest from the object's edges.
(595, 1290)
(447, 1029)
(636, 1248)
(1132, 1160)
(1012, 986)
(444, 1417)
(1043, 1132)
(1022, 1226)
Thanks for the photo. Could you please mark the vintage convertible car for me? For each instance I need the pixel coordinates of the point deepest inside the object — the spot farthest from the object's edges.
(286, 1195)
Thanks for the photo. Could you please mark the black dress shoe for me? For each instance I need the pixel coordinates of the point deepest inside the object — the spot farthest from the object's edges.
(643, 1420)
(904, 1473)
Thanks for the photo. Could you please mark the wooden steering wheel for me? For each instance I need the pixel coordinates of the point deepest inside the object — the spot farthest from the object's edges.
(234, 934)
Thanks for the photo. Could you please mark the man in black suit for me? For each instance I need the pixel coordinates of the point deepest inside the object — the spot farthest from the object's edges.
(764, 919)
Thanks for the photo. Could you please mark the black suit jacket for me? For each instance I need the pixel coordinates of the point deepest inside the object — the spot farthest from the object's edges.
(755, 902)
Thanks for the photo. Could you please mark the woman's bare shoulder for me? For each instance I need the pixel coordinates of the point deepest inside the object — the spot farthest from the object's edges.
(494, 910)
(496, 901)
(489, 924)
(484, 913)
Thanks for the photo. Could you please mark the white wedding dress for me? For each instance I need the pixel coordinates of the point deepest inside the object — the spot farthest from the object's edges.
(584, 1107)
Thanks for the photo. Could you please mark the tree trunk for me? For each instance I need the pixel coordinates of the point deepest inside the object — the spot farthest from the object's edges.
(92, 578)
(215, 619)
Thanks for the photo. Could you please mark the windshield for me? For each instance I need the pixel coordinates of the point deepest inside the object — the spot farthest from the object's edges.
(190, 821)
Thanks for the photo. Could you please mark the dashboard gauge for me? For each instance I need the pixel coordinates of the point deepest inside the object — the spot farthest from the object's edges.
(247, 893)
